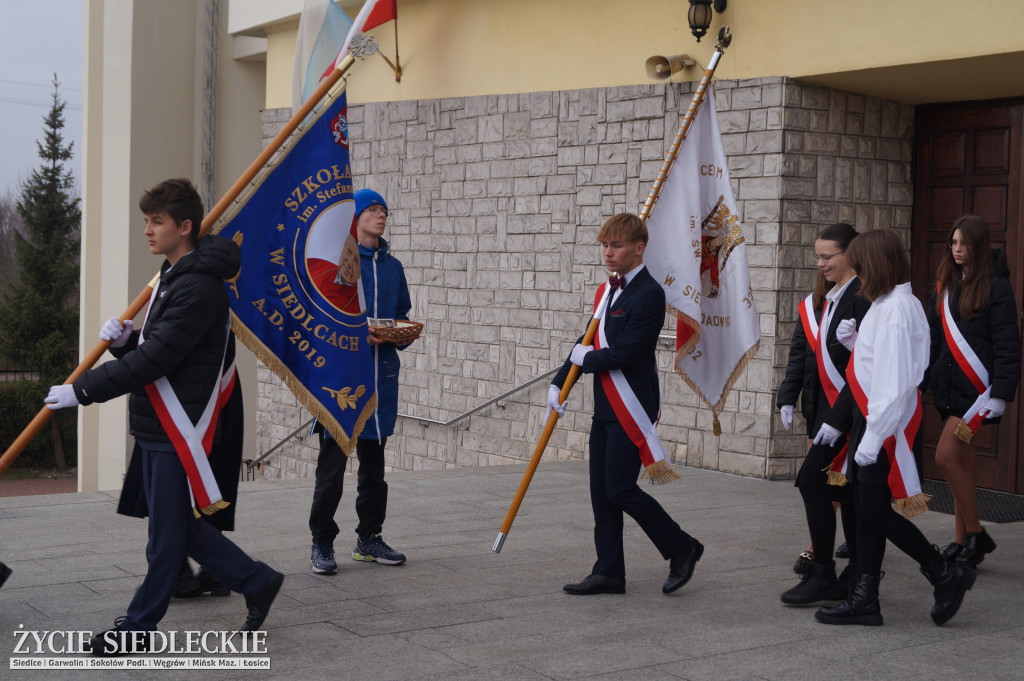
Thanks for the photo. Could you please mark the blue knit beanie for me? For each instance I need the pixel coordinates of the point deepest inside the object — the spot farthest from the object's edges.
(366, 198)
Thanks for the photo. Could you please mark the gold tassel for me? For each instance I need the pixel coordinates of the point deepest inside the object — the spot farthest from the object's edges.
(963, 432)
(912, 506)
(660, 472)
(215, 506)
(195, 512)
(716, 426)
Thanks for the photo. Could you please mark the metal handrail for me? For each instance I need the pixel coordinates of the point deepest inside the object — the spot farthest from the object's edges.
(483, 405)
(425, 421)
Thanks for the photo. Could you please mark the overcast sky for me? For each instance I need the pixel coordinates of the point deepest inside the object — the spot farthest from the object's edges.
(38, 39)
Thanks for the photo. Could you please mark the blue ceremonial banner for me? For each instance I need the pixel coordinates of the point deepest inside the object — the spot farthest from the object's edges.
(297, 301)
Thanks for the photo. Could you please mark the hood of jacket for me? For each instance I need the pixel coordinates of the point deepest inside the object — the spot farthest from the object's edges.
(213, 255)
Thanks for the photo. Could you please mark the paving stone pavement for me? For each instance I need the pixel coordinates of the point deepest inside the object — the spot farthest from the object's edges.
(457, 610)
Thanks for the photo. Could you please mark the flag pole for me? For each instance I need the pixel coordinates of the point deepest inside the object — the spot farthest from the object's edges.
(724, 38)
(542, 443)
(211, 218)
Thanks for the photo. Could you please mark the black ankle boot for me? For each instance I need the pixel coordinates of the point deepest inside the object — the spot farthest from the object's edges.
(976, 545)
(819, 584)
(860, 607)
(951, 582)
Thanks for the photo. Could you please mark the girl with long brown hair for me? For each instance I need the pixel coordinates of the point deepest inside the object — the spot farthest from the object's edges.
(975, 365)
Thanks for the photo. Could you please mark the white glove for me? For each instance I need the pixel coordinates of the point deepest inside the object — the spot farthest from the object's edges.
(787, 415)
(846, 333)
(994, 408)
(61, 396)
(115, 332)
(553, 394)
(827, 435)
(578, 353)
(864, 457)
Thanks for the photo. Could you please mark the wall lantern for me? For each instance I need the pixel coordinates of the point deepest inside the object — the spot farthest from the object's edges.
(700, 15)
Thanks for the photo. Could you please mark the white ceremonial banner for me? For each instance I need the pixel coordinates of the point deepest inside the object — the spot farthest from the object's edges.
(698, 254)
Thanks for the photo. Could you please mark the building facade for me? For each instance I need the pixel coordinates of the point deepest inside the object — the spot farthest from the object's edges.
(510, 139)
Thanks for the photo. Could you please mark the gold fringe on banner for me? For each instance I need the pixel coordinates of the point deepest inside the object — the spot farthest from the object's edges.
(915, 505)
(306, 399)
(682, 352)
(964, 432)
(660, 472)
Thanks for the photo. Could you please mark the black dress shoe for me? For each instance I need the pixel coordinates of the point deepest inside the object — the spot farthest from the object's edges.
(681, 567)
(200, 583)
(596, 584)
(5, 572)
(259, 602)
(117, 641)
(843, 551)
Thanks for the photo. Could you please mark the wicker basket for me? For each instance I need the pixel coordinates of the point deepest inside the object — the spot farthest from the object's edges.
(402, 332)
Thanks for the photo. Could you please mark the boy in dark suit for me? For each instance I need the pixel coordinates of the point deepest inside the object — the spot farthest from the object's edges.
(627, 404)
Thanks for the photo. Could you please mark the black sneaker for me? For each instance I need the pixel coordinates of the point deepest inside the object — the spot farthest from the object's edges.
(117, 641)
(376, 549)
(321, 557)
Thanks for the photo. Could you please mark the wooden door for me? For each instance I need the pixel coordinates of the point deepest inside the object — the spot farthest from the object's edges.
(969, 160)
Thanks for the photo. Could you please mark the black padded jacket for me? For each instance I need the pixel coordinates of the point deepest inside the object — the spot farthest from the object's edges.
(993, 335)
(185, 333)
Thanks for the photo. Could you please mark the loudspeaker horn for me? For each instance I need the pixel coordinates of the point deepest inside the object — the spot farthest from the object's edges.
(663, 68)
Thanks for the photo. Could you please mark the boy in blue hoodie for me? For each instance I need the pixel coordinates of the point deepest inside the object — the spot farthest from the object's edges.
(387, 297)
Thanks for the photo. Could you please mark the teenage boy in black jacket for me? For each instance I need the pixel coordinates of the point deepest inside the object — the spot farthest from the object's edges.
(173, 368)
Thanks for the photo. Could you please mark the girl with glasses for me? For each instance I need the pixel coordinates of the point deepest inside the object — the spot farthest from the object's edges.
(816, 375)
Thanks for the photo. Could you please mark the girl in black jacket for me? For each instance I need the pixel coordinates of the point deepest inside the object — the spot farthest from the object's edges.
(975, 311)
(816, 374)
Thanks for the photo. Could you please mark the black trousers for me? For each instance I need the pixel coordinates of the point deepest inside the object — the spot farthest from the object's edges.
(371, 489)
(877, 521)
(818, 495)
(175, 532)
(614, 469)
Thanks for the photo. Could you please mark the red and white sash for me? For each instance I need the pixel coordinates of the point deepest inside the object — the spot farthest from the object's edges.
(810, 323)
(628, 409)
(971, 365)
(192, 442)
(904, 483)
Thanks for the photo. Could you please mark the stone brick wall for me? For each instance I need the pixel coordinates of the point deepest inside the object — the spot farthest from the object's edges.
(495, 205)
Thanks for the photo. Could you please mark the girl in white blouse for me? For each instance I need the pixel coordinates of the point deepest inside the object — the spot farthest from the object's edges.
(890, 355)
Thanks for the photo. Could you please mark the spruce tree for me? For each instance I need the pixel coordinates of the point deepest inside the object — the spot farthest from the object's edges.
(39, 312)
